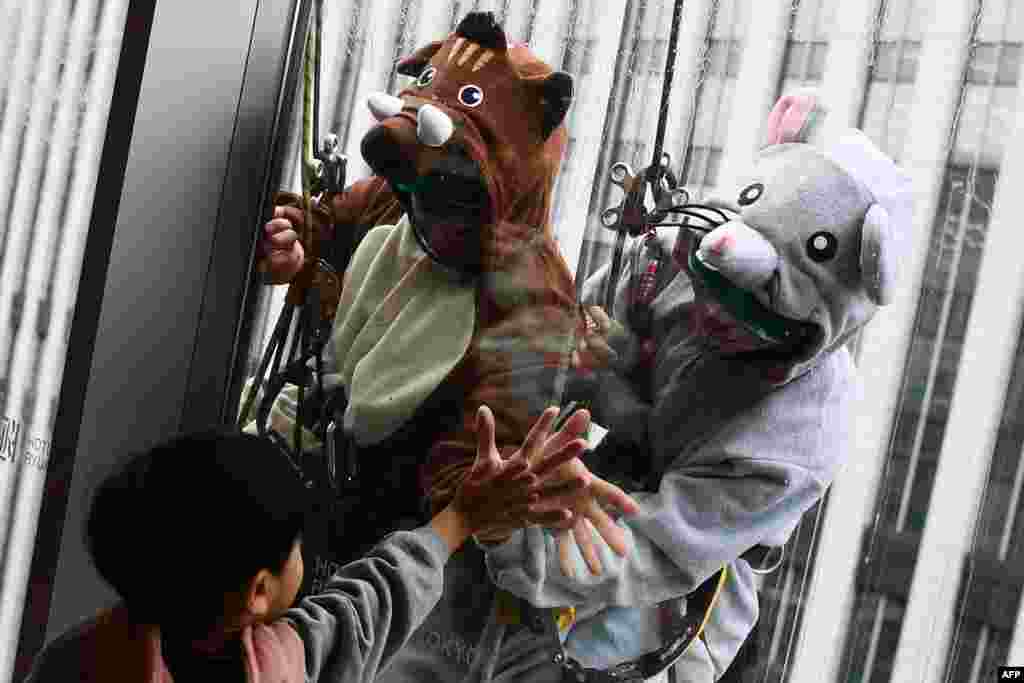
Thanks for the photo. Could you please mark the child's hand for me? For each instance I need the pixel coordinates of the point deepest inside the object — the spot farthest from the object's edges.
(502, 494)
(590, 511)
(281, 254)
(589, 505)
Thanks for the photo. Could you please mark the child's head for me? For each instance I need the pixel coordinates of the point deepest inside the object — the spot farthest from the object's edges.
(202, 532)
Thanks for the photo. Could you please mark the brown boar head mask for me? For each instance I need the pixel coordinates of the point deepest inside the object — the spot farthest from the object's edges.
(472, 148)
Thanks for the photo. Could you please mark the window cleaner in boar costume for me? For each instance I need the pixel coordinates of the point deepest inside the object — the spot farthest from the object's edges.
(738, 385)
(455, 296)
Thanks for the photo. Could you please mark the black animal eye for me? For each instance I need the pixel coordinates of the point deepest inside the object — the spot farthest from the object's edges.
(426, 77)
(751, 193)
(821, 246)
(471, 95)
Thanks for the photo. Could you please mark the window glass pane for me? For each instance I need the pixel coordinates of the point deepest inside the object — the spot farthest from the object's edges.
(892, 75)
(616, 53)
(630, 132)
(812, 23)
(717, 97)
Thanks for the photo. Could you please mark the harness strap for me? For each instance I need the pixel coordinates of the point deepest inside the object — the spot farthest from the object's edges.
(699, 605)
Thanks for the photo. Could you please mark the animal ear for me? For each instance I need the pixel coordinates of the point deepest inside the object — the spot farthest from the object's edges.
(796, 117)
(483, 29)
(414, 64)
(555, 97)
(879, 260)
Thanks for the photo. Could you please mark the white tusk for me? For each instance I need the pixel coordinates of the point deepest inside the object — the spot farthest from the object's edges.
(384, 106)
(434, 126)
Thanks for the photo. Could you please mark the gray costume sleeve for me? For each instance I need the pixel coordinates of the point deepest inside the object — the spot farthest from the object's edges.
(371, 607)
(615, 404)
(748, 485)
(699, 520)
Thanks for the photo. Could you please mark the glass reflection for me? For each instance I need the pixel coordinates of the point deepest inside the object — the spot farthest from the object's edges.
(615, 52)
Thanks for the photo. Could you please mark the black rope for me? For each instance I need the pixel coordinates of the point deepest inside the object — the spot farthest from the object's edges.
(296, 363)
(666, 90)
(616, 268)
(261, 372)
(656, 171)
(691, 210)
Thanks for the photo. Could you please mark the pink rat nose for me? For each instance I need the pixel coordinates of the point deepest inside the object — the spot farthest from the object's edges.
(740, 253)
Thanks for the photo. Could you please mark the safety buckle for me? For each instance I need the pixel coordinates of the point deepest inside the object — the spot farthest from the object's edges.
(343, 466)
(333, 165)
(331, 453)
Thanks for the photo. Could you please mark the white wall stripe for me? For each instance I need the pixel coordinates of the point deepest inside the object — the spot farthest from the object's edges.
(586, 124)
(765, 41)
(86, 129)
(550, 30)
(382, 27)
(517, 19)
(689, 65)
(45, 229)
(19, 90)
(975, 411)
(649, 77)
(849, 47)
(339, 18)
(10, 18)
(433, 21)
(21, 233)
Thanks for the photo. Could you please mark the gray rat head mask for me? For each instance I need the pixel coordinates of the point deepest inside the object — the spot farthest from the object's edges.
(811, 240)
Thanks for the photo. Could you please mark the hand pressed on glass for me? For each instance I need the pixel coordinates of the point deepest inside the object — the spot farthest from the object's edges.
(504, 493)
(567, 483)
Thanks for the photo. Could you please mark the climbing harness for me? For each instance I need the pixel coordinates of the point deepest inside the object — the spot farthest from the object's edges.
(303, 326)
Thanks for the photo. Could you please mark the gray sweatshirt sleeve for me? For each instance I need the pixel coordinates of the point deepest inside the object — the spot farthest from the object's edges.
(747, 486)
(371, 607)
(700, 519)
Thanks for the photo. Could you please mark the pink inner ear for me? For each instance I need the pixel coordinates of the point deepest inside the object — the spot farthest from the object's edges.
(788, 118)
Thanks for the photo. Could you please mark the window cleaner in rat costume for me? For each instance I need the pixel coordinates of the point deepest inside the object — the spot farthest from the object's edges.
(464, 300)
(740, 388)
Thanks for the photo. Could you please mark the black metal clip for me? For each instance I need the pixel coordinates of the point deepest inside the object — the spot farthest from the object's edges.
(649, 195)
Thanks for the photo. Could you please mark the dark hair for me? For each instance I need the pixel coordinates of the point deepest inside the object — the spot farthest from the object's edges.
(178, 527)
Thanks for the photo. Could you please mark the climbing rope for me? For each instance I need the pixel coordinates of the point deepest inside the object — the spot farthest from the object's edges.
(322, 174)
